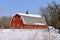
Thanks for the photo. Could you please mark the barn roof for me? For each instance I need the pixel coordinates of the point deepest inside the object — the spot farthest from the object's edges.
(32, 19)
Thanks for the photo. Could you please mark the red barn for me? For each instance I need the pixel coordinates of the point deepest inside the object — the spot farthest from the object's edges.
(27, 21)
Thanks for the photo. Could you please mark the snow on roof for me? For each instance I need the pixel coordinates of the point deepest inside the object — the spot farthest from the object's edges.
(30, 15)
(32, 19)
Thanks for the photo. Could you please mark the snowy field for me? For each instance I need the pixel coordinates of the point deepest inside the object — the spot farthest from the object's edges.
(28, 34)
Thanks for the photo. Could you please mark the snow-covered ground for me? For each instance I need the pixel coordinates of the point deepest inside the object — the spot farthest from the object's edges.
(28, 34)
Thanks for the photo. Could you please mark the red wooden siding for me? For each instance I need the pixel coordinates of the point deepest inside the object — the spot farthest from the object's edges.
(34, 26)
(17, 22)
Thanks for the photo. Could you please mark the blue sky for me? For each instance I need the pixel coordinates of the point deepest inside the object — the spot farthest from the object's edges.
(11, 7)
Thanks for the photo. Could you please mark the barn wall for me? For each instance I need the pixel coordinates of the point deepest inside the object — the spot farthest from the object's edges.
(16, 22)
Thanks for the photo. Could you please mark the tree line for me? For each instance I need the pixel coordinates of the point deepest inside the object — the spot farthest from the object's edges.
(4, 21)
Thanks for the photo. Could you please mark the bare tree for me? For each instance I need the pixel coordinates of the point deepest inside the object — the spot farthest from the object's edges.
(52, 14)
